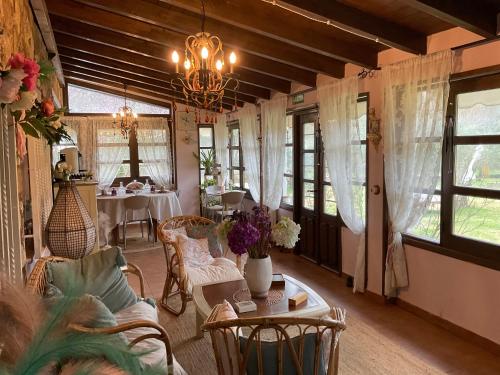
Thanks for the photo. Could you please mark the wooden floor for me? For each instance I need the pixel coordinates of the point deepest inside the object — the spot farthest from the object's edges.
(434, 345)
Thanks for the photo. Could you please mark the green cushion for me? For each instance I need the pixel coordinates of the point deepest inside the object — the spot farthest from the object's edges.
(209, 232)
(98, 274)
(270, 356)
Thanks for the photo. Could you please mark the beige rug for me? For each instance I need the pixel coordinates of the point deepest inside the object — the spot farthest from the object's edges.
(363, 350)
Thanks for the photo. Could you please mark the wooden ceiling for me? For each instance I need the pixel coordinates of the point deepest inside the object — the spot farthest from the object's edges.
(106, 43)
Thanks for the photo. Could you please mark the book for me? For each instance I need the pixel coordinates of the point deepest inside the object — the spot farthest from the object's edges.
(278, 280)
(245, 306)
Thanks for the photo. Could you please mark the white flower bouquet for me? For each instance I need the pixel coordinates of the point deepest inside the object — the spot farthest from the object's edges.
(285, 233)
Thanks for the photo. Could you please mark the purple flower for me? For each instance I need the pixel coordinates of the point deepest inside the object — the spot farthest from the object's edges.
(242, 236)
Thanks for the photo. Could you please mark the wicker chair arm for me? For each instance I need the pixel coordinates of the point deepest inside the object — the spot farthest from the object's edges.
(161, 335)
(37, 280)
(135, 270)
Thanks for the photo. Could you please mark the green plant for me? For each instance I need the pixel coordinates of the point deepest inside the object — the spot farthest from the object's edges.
(207, 160)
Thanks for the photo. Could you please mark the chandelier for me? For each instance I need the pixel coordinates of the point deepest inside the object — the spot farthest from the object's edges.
(127, 118)
(203, 81)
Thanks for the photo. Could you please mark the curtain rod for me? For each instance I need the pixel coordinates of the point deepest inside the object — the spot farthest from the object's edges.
(476, 43)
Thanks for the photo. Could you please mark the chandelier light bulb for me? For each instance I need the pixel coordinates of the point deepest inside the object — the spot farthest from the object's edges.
(114, 115)
(204, 53)
(122, 114)
(175, 57)
(187, 64)
(232, 58)
(218, 65)
(134, 114)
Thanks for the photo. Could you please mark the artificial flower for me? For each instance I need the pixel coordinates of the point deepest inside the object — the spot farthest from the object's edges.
(11, 84)
(16, 61)
(48, 107)
(56, 124)
(20, 142)
(242, 236)
(26, 101)
(286, 233)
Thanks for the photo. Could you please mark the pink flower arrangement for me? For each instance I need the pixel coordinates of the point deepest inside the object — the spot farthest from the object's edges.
(30, 68)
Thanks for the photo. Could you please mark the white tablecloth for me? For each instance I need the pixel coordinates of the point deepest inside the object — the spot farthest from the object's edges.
(162, 206)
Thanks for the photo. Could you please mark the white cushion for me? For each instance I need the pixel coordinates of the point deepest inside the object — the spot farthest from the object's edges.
(221, 269)
(157, 355)
(194, 251)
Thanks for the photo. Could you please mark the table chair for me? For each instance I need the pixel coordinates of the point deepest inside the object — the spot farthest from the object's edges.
(137, 203)
(210, 201)
(231, 201)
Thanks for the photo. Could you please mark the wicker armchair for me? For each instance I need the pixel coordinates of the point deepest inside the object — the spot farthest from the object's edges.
(37, 282)
(176, 280)
(250, 341)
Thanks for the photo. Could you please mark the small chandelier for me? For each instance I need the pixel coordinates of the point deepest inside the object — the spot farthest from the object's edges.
(128, 118)
(203, 81)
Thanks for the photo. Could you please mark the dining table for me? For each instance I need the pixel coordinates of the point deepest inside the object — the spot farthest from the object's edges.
(162, 205)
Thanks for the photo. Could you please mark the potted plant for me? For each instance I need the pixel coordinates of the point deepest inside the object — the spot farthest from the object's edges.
(252, 233)
(207, 161)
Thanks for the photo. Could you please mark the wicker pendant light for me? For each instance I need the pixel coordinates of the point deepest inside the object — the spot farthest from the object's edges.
(70, 230)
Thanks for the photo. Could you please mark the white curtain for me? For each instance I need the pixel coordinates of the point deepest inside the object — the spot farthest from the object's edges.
(273, 117)
(221, 142)
(249, 133)
(153, 139)
(416, 94)
(346, 163)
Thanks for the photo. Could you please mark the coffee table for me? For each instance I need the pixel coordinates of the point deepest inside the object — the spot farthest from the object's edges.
(206, 296)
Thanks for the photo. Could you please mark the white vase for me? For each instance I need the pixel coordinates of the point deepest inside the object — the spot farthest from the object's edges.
(259, 276)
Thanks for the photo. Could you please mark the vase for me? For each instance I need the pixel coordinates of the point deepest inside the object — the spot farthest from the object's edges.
(259, 276)
(70, 231)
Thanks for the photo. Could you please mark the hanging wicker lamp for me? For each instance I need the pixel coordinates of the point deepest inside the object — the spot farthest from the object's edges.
(70, 231)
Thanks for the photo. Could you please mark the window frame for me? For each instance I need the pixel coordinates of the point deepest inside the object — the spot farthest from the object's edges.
(470, 250)
(232, 126)
(204, 126)
(283, 205)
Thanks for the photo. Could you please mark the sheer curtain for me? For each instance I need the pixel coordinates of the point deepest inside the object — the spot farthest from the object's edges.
(416, 93)
(340, 131)
(221, 141)
(273, 117)
(153, 140)
(249, 133)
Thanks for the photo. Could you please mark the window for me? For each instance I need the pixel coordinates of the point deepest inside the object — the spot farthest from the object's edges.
(463, 216)
(287, 199)
(206, 144)
(236, 169)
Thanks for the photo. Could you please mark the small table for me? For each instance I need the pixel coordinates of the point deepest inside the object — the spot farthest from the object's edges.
(206, 296)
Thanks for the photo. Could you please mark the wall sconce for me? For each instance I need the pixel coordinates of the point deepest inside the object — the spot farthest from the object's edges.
(374, 135)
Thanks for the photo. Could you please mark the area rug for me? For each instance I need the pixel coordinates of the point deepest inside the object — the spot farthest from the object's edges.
(363, 350)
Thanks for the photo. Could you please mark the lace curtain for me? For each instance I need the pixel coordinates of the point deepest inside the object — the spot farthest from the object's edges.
(416, 93)
(346, 164)
(273, 117)
(221, 151)
(249, 133)
(153, 139)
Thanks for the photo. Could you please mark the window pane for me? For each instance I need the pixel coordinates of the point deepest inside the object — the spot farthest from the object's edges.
(236, 177)
(362, 119)
(235, 137)
(326, 172)
(289, 129)
(289, 160)
(308, 196)
(430, 223)
(206, 137)
(83, 100)
(360, 200)
(235, 158)
(476, 218)
(245, 182)
(288, 190)
(309, 136)
(308, 165)
(477, 166)
(143, 171)
(123, 171)
(329, 201)
(478, 113)
(110, 136)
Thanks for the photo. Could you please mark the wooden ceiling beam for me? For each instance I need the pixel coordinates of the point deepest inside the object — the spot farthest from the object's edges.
(104, 64)
(117, 32)
(257, 17)
(147, 84)
(134, 58)
(359, 22)
(73, 77)
(155, 19)
(474, 16)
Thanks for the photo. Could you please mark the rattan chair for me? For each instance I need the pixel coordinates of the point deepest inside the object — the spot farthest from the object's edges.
(37, 282)
(238, 342)
(176, 280)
